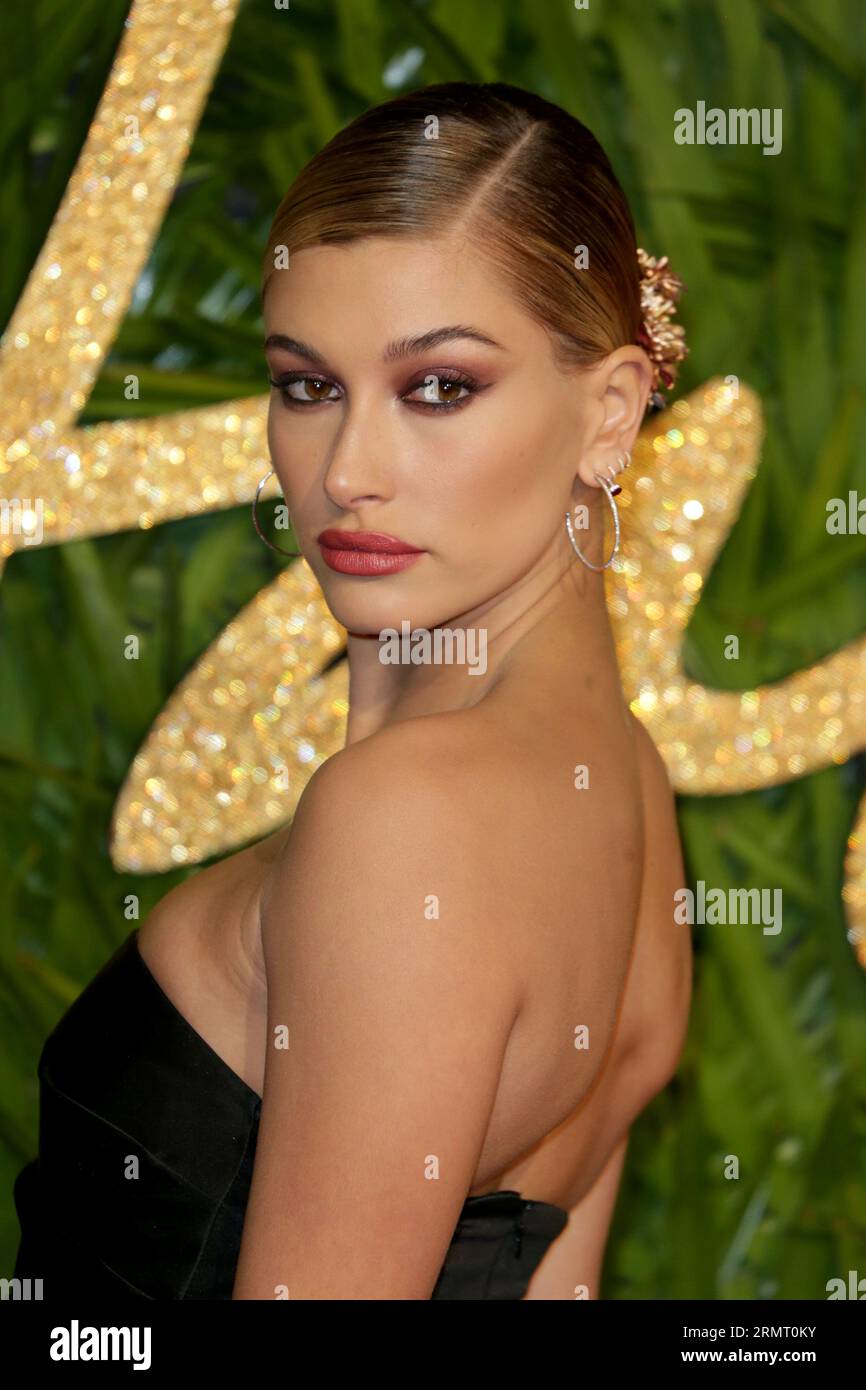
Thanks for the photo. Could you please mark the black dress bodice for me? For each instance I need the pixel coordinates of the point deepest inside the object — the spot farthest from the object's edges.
(146, 1147)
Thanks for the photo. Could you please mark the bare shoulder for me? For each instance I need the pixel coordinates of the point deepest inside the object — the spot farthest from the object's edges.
(434, 751)
(421, 781)
(394, 828)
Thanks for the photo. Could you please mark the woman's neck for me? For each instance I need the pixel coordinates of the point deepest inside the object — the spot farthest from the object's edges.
(532, 632)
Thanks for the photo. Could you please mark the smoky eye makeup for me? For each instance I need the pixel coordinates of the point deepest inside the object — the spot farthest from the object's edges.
(286, 382)
(425, 390)
(427, 387)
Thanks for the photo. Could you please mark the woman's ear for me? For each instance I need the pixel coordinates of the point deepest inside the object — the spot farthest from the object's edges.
(623, 386)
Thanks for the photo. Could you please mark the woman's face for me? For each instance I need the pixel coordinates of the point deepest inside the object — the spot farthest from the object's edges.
(465, 446)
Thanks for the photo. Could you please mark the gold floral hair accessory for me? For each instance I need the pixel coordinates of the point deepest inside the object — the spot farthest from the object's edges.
(663, 341)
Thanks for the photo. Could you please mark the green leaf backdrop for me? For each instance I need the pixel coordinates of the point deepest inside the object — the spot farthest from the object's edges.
(773, 251)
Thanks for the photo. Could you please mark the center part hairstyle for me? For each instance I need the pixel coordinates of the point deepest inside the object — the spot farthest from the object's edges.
(527, 185)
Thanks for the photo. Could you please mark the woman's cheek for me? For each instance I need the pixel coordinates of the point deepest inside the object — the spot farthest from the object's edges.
(272, 432)
(278, 443)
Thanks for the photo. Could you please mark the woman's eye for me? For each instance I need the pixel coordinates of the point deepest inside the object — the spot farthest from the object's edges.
(442, 392)
(432, 392)
(315, 387)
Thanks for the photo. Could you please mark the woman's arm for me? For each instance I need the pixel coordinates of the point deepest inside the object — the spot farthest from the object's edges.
(389, 974)
(572, 1266)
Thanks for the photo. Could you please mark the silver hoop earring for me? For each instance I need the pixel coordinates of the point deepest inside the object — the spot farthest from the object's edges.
(610, 492)
(293, 553)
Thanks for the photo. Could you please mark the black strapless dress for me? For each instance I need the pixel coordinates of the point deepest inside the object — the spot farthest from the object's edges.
(126, 1081)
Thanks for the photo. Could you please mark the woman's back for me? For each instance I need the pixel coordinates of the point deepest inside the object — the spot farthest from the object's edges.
(608, 981)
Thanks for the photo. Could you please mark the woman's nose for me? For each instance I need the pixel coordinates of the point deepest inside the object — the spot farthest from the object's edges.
(359, 469)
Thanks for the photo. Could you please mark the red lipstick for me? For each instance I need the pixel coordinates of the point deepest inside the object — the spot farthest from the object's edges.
(366, 552)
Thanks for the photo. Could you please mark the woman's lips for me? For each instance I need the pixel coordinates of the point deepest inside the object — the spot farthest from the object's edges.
(366, 552)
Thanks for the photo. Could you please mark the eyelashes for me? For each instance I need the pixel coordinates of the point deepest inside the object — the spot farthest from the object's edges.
(431, 383)
(295, 378)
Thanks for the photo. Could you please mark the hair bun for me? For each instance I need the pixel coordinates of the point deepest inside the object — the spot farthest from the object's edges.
(663, 341)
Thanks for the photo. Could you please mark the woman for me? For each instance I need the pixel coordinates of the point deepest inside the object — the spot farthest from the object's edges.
(395, 1051)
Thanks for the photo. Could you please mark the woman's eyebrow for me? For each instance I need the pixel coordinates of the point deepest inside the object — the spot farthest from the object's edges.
(280, 340)
(407, 347)
(400, 348)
